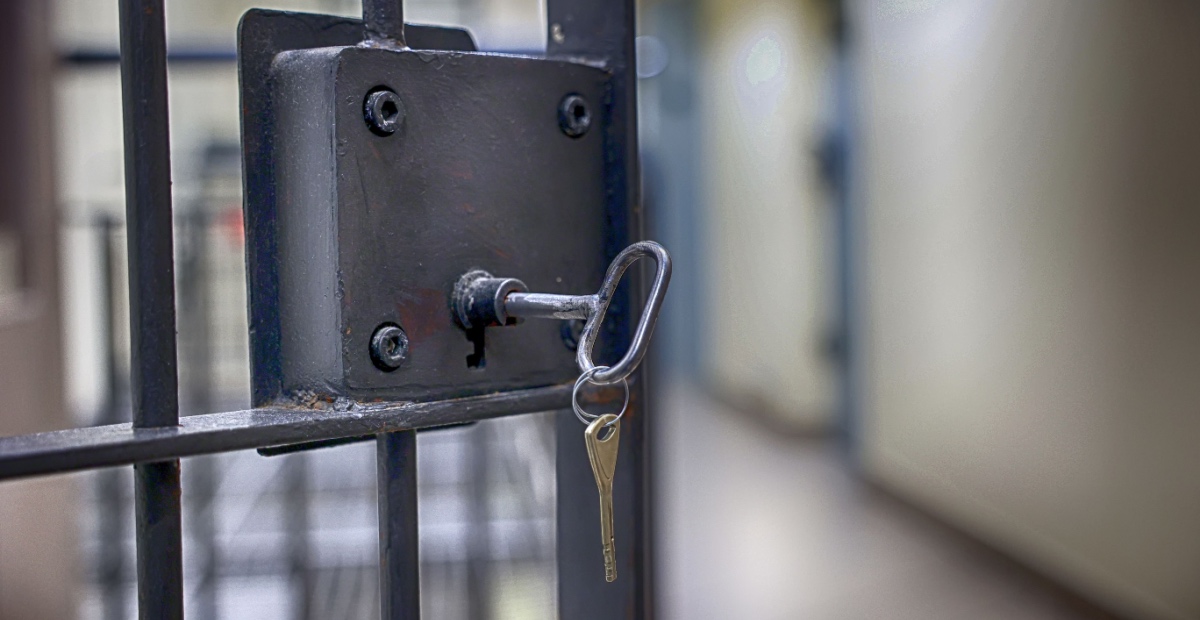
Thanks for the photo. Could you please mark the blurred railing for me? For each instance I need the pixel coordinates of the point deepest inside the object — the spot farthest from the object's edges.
(295, 536)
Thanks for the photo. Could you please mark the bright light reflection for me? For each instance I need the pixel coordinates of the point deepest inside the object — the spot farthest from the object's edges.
(764, 62)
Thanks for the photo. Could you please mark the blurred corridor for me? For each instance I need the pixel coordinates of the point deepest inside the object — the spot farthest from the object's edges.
(759, 525)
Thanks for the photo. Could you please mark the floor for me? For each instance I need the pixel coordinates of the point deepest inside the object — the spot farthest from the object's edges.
(762, 527)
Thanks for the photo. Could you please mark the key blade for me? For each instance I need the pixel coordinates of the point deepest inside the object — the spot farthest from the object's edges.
(602, 453)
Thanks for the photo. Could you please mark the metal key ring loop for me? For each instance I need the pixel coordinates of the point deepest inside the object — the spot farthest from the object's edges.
(480, 300)
(645, 326)
(586, 377)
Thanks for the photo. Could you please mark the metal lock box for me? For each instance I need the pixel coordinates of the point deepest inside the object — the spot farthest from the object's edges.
(351, 228)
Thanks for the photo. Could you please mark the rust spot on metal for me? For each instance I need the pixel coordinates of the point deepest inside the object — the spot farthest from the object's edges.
(423, 312)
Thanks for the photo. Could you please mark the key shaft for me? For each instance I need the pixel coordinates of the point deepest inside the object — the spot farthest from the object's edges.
(602, 453)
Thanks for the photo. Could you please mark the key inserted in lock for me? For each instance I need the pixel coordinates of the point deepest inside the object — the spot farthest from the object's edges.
(483, 300)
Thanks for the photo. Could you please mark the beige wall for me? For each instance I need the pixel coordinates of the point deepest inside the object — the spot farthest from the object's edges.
(1031, 257)
(765, 95)
(38, 560)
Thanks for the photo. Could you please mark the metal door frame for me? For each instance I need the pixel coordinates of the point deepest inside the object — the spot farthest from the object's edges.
(598, 32)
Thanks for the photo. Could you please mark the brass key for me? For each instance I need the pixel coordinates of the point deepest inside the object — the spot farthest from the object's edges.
(603, 455)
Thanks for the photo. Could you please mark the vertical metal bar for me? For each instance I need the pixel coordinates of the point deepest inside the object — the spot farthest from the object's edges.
(159, 540)
(296, 523)
(113, 391)
(399, 558)
(478, 533)
(153, 374)
(202, 493)
(384, 20)
(605, 29)
(840, 166)
(194, 295)
(148, 214)
(108, 482)
(111, 561)
(203, 469)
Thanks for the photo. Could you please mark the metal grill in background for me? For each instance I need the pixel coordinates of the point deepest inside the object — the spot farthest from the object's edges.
(295, 536)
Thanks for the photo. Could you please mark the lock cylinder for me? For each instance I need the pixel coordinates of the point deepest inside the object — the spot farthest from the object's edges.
(479, 299)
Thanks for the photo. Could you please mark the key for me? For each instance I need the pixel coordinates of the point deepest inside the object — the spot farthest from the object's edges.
(602, 452)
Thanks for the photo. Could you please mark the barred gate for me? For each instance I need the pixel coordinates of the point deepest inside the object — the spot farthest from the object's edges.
(586, 37)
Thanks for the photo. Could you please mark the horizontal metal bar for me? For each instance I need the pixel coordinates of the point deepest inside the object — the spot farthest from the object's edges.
(119, 444)
(201, 56)
(293, 448)
(98, 56)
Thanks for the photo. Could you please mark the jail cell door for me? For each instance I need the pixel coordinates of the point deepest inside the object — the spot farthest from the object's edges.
(435, 236)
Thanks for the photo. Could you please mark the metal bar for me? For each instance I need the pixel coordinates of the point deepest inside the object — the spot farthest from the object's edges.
(333, 443)
(202, 525)
(111, 559)
(153, 375)
(148, 214)
(89, 57)
(399, 557)
(604, 30)
(313, 445)
(202, 472)
(296, 527)
(384, 20)
(840, 166)
(479, 544)
(114, 388)
(112, 515)
(120, 444)
(159, 540)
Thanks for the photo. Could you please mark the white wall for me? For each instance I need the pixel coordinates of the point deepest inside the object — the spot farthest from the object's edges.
(764, 95)
(1031, 281)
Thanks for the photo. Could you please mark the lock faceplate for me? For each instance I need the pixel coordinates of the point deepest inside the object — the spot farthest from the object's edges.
(350, 228)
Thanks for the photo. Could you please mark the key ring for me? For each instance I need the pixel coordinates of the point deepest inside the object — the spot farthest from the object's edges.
(586, 377)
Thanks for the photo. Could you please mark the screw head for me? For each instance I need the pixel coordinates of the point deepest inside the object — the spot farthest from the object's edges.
(574, 115)
(389, 347)
(383, 111)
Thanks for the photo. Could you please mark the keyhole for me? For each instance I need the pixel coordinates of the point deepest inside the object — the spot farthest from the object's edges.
(476, 359)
